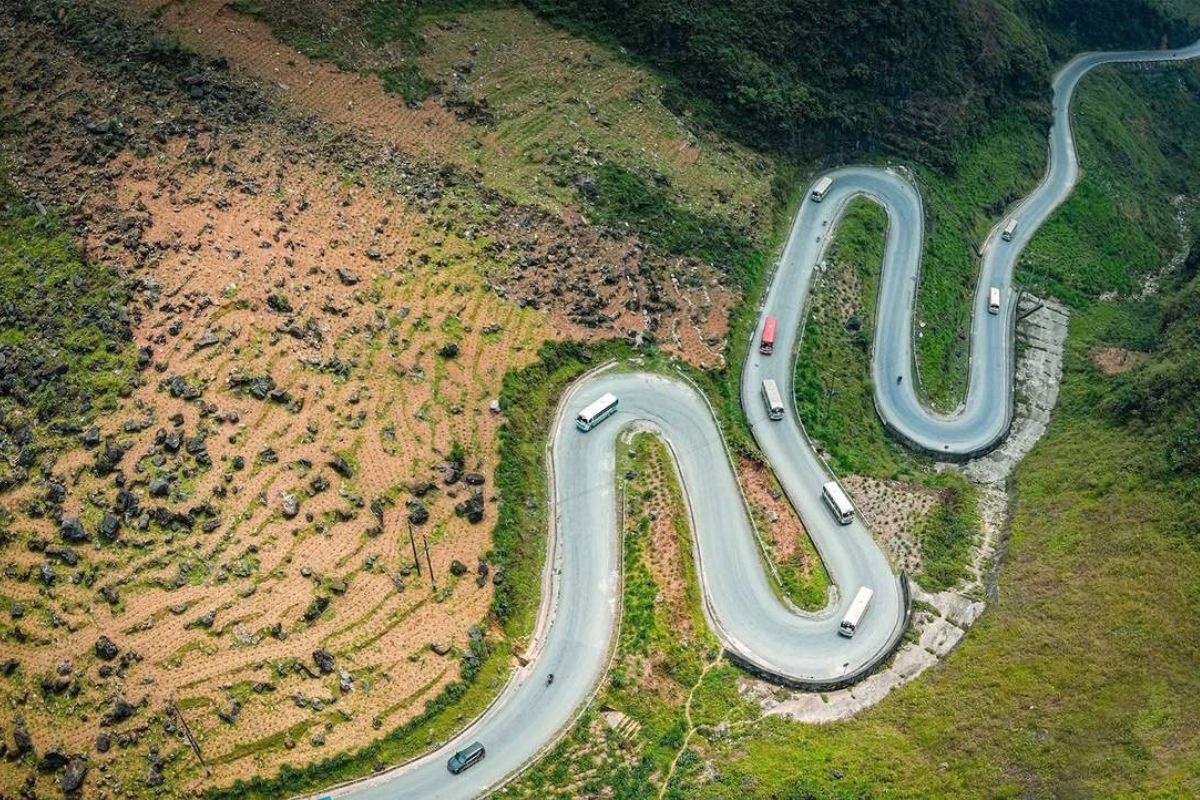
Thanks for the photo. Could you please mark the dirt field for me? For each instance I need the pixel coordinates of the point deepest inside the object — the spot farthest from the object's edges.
(893, 511)
(1115, 360)
(324, 306)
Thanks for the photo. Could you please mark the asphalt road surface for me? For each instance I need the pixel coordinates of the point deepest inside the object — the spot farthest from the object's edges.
(582, 588)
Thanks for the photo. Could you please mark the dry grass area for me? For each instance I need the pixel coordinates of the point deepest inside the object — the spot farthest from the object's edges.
(893, 511)
(557, 104)
(324, 311)
(519, 104)
(1116, 360)
(800, 568)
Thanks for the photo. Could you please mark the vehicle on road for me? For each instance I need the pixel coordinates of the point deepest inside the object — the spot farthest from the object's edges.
(994, 300)
(1009, 230)
(854, 614)
(766, 344)
(596, 412)
(821, 188)
(835, 497)
(772, 398)
(466, 758)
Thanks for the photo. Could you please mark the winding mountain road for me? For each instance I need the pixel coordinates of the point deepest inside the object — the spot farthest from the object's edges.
(581, 597)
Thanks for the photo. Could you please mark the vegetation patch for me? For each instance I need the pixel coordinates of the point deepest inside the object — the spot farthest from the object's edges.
(529, 399)
(65, 347)
(947, 532)
(619, 198)
(918, 78)
(834, 392)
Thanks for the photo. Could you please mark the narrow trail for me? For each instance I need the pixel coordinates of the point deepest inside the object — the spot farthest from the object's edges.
(687, 715)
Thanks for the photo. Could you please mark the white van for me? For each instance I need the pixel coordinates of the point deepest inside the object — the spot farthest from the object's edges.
(994, 300)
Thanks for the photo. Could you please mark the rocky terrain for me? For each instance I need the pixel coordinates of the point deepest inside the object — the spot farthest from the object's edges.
(277, 544)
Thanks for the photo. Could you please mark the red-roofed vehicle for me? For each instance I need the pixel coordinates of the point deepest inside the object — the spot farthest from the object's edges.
(766, 345)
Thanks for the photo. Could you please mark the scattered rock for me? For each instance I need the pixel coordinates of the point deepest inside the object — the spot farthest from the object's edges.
(289, 505)
(74, 776)
(418, 514)
(324, 661)
(73, 532)
(106, 649)
(110, 525)
(471, 508)
(341, 467)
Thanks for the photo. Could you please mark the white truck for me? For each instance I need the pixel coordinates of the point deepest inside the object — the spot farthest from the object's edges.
(856, 611)
(821, 188)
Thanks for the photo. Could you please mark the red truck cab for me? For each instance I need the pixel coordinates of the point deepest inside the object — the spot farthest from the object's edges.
(766, 345)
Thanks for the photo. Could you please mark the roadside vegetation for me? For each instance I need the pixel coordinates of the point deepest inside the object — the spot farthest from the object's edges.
(834, 393)
(668, 680)
(1049, 694)
(529, 399)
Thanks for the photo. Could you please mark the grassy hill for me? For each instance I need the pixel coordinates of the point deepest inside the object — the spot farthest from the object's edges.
(916, 77)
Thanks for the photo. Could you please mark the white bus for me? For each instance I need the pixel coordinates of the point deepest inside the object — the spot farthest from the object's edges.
(835, 497)
(994, 300)
(773, 399)
(821, 188)
(1009, 230)
(854, 614)
(603, 408)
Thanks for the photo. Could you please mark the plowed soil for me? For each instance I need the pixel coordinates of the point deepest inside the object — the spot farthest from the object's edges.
(325, 312)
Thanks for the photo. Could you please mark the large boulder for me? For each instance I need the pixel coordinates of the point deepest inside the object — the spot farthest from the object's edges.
(418, 514)
(106, 649)
(72, 779)
(110, 525)
(471, 508)
(72, 531)
(324, 661)
(290, 505)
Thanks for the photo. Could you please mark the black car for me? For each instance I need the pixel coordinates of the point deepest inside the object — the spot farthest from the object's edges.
(467, 757)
